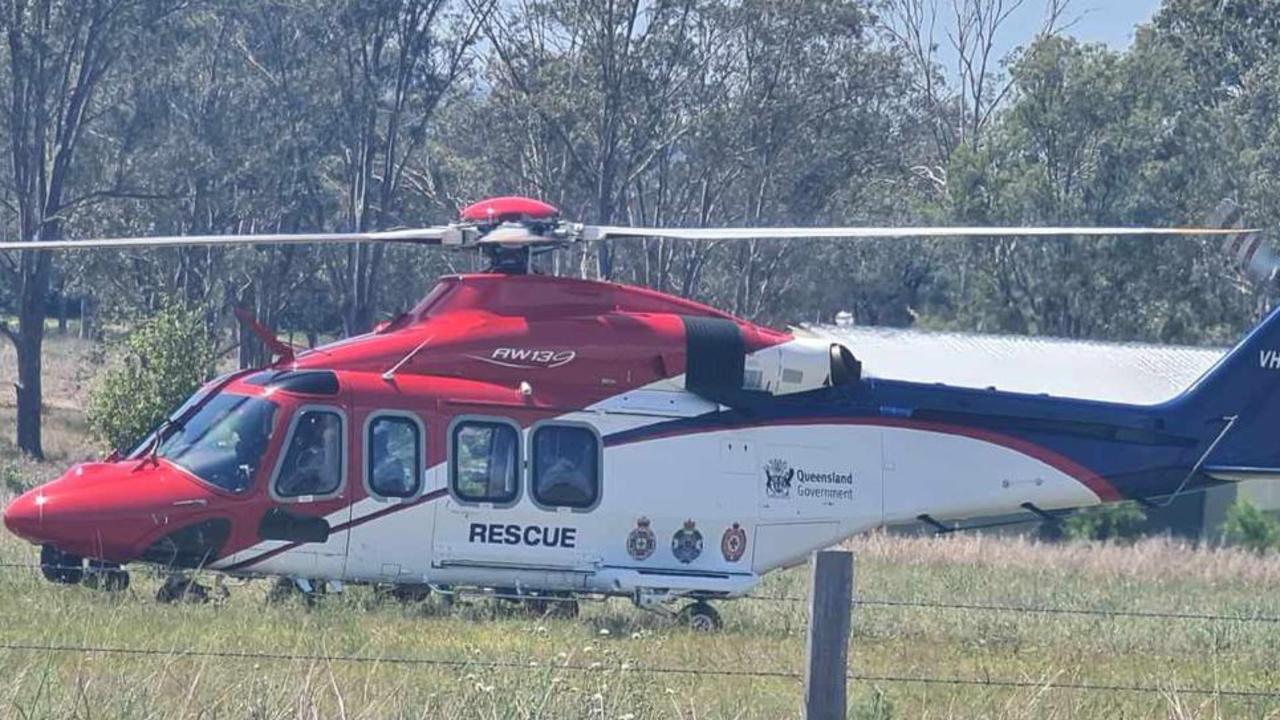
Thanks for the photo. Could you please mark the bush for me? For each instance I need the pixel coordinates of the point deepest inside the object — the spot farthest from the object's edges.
(1250, 527)
(1115, 521)
(165, 360)
(11, 478)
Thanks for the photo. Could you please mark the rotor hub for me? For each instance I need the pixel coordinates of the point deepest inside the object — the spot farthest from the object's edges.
(510, 208)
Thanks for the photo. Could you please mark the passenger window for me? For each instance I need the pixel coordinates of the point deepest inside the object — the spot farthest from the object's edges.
(314, 461)
(395, 456)
(485, 458)
(566, 466)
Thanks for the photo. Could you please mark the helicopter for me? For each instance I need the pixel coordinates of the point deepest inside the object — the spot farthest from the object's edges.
(551, 439)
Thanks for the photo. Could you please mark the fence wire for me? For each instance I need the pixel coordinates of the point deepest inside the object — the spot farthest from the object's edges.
(624, 668)
(872, 601)
(256, 656)
(1029, 609)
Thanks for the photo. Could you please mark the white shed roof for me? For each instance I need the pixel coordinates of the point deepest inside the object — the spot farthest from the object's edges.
(1119, 372)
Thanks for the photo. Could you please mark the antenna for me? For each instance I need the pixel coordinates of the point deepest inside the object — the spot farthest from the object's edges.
(390, 374)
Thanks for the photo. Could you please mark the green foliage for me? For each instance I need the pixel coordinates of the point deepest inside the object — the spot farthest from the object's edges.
(1249, 527)
(11, 478)
(165, 360)
(876, 707)
(358, 116)
(1111, 522)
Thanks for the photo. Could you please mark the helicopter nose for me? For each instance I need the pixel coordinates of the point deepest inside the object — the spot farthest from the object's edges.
(23, 516)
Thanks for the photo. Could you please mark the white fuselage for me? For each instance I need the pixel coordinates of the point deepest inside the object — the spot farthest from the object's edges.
(707, 511)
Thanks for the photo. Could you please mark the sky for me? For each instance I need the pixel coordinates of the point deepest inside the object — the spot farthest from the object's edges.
(1112, 21)
(1106, 21)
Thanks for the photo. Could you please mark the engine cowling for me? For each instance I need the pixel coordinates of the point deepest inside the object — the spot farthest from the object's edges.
(717, 364)
(800, 365)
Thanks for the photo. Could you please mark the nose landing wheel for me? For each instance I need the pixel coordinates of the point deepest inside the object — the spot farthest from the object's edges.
(59, 567)
(106, 576)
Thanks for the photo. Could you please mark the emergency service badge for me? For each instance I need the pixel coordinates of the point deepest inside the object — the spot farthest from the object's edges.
(733, 543)
(641, 542)
(686, 544)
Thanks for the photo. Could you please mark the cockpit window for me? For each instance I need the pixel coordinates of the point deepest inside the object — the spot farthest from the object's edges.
(196, 397)
(313, 464)
(223, 442)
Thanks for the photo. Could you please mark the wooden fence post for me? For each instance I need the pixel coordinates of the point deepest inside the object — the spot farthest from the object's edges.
(827, 652)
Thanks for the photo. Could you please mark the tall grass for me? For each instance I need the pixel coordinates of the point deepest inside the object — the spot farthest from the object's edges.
(69, 368)
(613, 644)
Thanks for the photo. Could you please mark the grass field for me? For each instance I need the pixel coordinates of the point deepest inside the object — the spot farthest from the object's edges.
(69, 368)
(487, 659)
(612, 648)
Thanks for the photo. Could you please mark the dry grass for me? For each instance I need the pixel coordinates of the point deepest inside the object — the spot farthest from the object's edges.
(1172, 655)
(1149, 559)
(69, 368)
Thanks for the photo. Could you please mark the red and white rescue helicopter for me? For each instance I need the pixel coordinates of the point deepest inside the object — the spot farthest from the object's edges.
(552, 437)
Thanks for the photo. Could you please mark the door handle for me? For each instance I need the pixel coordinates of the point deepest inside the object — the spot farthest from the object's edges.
(197, 501)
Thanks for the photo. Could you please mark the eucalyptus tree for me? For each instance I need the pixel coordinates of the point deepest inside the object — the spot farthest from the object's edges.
(814, 107)
(394, 64)
(598, 88)
(58, 56)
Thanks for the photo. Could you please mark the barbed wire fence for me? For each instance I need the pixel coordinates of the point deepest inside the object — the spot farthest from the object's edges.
(889, 602)
(625, 667)
(635, 667)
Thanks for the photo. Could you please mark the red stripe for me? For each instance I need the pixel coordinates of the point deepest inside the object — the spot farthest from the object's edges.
(1233, 243)
(1098, 484)
(1255, 242)
(433, 495)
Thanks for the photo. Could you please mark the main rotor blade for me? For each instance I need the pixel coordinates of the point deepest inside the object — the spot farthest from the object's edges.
(604, 232)
(429, 236)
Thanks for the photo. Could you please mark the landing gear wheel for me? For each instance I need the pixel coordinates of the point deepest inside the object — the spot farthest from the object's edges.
(412, 593)
(309, 591)
(106, 576)
(282, 588)
(59, 567)
(700, 617)
(178, 588)
(567, 609)
(553, 606)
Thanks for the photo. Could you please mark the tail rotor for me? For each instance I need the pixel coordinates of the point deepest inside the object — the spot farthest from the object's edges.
(1247, 248)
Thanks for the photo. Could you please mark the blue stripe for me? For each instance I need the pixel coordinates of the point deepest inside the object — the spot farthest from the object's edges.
(1140, 450)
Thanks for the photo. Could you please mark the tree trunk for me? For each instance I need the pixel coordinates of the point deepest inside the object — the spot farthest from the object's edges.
(29, 393)
(29, 342)
(62, 304)
(250, 353)
(86, 322)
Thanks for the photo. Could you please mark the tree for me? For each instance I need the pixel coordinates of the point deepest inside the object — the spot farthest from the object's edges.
(1114, 522)
(1089, 137)
(396, 61)
(1251, 528)
(959, 89)
(165, 360)
(605, 82)
(58, 54)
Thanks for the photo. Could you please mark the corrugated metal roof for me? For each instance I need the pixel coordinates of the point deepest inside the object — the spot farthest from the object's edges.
(1119, 372)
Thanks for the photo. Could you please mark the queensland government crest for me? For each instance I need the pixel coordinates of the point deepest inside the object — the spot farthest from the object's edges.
(778, 475)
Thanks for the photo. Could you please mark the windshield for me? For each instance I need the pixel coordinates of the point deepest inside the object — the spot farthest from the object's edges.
(199, 395)
(223, 442)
